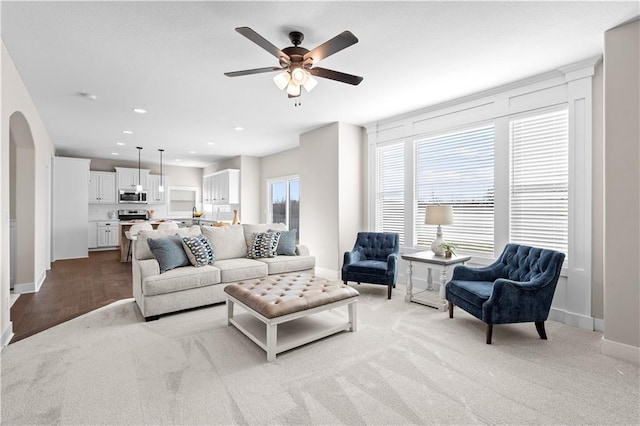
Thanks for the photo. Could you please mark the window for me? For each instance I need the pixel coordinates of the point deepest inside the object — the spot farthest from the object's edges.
(390, 189)
(539, 180)
(284, 202)
(457, 169)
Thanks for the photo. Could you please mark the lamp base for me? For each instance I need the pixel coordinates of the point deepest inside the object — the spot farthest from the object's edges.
(435, 245)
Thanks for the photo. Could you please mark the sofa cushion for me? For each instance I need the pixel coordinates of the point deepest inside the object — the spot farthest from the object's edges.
(284, 264)
(169, 252)
(371, 267)
(241, 269)
(198, 250)
(179, 279)
(250, 229)
(227, 242)
(473, 292)
(287, 242)
(142, 250)
(263, 244)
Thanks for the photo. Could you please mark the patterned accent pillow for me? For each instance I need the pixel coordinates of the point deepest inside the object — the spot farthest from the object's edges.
(263, 244)
(198, 250)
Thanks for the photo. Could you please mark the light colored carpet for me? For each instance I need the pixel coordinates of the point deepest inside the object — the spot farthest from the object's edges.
(406, 364)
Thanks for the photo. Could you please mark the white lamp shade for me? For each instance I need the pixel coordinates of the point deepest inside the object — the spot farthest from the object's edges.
(438, 215)
(282, 80)
(310, 84)
(299, 76)
(293, 90)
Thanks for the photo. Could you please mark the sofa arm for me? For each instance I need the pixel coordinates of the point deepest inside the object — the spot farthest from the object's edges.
(302, 250)
(148, 268)
(392, 265)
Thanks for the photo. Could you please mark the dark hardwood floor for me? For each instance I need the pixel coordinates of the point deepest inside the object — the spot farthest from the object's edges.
(72, 288)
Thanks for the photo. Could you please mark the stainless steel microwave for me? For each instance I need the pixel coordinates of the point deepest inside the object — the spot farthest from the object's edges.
(132, 197)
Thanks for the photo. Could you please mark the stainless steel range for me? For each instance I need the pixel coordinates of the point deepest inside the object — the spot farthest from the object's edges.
(133, 214)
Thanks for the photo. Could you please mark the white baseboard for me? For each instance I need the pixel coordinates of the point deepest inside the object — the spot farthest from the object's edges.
(572, 319)
(598, 325)
(621, 351)
(24, 288)
(40, 280)
(7, 335)
(327, 273)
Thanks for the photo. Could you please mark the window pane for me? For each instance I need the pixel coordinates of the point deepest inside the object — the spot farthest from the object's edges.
(294, 206)
(539, 187)
(278, 202)
(457, 169)
(390, 190)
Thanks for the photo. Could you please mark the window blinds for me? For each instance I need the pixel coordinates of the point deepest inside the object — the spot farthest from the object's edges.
(539, 187)
(457, 169)
(390, 190)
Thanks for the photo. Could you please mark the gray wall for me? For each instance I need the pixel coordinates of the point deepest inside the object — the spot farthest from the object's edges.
(622, 191)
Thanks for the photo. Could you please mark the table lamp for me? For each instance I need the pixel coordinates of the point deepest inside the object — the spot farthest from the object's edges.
(438, 215)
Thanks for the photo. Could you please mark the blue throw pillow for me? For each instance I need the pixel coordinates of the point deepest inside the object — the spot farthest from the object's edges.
(286, 243)
(168, 252)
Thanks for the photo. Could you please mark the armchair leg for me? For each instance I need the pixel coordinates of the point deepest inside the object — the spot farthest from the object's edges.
(450, 310)
(541, 331)
(489, 333)
(389, 291)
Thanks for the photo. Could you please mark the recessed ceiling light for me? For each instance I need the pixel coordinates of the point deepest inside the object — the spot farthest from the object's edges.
(239, 128)
(127, 132)
(211, 143)
(114, 153)
(192, 152)
(177, 159)
(140, 110)
(120, 143)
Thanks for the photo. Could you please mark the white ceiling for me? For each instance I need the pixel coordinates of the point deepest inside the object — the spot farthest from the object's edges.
(169, 58)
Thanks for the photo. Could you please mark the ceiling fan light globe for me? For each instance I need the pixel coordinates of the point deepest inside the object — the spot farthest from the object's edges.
(282, 80)
(299, 76)
(293, 89)
(310, 84)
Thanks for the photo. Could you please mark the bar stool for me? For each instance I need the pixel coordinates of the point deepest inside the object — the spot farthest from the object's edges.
(132, 234)
(167, 226)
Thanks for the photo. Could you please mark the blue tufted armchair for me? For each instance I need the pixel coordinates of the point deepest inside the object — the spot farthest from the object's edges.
(373, 260)
(518, 287)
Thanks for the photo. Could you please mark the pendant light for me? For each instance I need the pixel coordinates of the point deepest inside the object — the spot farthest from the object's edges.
(161, 187)
(139, 185)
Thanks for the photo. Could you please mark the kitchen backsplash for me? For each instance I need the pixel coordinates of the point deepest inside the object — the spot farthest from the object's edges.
(101, 211)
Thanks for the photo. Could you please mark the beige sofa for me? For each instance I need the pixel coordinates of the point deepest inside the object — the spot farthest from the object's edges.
(189, 286)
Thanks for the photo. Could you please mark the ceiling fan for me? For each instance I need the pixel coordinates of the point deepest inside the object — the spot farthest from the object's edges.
(297, 63)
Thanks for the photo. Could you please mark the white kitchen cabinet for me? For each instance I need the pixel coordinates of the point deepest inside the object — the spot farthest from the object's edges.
(154, 196)
(107, 233)
(93, 234)
(222, 187)
(102, 188)
(127, 178)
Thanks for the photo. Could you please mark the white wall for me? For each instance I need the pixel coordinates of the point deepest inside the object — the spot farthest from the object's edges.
(622, 192)
(249, 189)
(285, 163)
(14, 97)
(331, 203)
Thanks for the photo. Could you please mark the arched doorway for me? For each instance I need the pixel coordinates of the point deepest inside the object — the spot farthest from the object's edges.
(22, 203)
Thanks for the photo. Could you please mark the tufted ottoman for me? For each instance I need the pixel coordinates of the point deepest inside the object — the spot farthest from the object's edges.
(279, 299)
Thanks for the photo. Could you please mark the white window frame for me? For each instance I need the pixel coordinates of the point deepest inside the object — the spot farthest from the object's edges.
(282, 179)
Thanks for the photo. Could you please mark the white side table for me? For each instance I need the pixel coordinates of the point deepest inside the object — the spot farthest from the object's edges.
(430, 297)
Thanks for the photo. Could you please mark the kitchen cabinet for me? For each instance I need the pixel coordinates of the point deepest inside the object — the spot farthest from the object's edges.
(127, 178)
(154, 196)
(107, 233)
(102, 188)
(222, 187)
(93, 235)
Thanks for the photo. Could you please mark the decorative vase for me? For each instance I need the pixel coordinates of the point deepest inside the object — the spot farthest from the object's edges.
(236, 220)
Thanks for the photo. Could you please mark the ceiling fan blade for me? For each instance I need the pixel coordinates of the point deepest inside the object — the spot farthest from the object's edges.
(253, 71)
(328, 48)
(262, 42)
(336, 75)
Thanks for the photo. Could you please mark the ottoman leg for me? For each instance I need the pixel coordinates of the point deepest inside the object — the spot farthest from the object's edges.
(229, 311)
(353, 316)
(272, 337)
